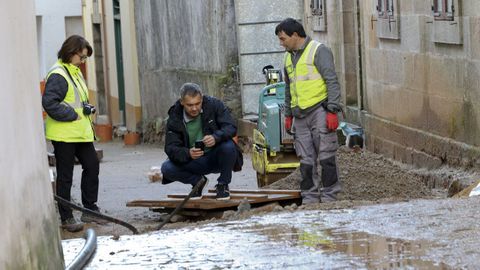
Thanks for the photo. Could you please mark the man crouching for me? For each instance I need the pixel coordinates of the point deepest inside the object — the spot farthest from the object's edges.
(199, 141)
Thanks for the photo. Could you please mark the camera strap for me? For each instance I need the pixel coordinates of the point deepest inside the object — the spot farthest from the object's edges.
(82, 92)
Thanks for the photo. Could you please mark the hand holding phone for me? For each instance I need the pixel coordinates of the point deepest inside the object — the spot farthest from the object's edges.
(200, 145)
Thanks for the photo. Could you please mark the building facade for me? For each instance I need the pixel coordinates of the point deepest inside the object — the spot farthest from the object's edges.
(409, 72)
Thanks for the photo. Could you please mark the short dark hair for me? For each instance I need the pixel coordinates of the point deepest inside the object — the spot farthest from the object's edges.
(290, 26)
(73, 45)
(190, 89)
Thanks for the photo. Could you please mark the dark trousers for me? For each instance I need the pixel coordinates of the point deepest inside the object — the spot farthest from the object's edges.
(220, 159)
(65, 154)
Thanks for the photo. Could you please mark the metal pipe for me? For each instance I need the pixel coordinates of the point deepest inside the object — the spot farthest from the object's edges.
(95, 213)
(87, 251)
(180, 206)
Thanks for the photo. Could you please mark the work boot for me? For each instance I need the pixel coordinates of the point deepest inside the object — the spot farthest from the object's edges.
(87, 218)
(308, 189)
(198, 194)
(223, 193)
(72, 225)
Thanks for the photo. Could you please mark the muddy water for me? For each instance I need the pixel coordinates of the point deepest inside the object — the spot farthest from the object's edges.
(299, 240)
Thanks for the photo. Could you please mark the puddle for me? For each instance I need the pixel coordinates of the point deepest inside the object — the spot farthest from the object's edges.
(288, 241)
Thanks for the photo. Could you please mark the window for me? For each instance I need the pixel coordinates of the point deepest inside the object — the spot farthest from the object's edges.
(385, 9)
(443, 10)
(317, 19)
(388, 19)
(317, 7)
(447, 22)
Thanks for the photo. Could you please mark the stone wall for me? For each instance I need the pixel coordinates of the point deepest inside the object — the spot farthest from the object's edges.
(182, 41)
(422, 92)
(410, 81)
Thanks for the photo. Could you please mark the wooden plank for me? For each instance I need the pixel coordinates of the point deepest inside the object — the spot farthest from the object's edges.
(208, 201)
(205, 204)
(262, 191)
(233, 196)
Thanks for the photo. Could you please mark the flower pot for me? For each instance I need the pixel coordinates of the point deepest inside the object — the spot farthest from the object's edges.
(131, 138)
(104, 132)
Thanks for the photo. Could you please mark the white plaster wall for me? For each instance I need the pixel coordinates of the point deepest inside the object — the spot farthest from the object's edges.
(53, 13)
(29, 237)
(130, 59)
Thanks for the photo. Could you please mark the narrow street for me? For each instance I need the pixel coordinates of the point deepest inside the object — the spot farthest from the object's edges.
(431, 233)
(123, 178)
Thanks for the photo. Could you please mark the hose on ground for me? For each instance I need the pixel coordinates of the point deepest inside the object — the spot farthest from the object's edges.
(96, 214)
(87, 251)
(180, 206)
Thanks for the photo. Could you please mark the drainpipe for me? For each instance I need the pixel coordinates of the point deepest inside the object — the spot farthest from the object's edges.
(86, 253)
(105, 63)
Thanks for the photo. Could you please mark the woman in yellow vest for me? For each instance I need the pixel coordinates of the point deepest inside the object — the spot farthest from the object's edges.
(312, 97)
(69, 126)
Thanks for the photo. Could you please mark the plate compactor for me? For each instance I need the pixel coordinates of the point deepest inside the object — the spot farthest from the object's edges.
(273, 154)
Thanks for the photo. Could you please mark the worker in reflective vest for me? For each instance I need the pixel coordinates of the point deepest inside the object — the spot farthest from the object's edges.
(312, 97)
(69, 126)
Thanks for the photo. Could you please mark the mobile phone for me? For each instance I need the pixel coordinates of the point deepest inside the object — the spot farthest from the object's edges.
(199, 145)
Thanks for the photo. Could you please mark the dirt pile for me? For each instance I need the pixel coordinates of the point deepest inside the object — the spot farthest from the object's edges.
(368, 176)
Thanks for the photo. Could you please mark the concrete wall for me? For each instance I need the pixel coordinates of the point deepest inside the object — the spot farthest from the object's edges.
(257, 44)
(332, 35)
(182, 41)
(29, 237)
(54, 19)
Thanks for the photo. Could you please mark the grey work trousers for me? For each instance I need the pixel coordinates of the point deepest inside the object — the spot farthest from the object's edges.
(316, 146)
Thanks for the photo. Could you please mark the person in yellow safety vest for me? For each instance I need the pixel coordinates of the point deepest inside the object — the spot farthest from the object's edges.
(312, 97)
(69, 127)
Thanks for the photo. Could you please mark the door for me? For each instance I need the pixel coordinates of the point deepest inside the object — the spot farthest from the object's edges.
(119, 58)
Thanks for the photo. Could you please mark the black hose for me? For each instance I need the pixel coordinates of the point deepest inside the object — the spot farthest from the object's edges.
(180, 206)
(87, 251)
(96, 214)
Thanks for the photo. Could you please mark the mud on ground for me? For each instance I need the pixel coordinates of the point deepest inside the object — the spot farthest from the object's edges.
(367, 178)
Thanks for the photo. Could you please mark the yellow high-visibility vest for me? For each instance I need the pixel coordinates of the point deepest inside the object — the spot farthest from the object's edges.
(75, 131)
(307, 86)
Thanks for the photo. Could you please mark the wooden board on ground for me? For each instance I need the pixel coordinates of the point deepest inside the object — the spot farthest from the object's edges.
(208, 201)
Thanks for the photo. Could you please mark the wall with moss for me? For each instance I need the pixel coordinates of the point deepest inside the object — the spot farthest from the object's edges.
(182, 41)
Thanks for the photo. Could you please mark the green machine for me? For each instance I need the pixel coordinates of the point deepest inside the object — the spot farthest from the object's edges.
(273, 155)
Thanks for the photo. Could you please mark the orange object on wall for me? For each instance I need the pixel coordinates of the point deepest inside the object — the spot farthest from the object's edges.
(42, 90)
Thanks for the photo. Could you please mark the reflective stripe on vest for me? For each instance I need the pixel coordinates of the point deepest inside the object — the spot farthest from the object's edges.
(307, 86)
(79, 130)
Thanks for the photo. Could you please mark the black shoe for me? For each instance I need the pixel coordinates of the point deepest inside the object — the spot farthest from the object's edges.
(166, 181)
(198, 194)
(87, 218)
(72, 225)
(223, 193)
